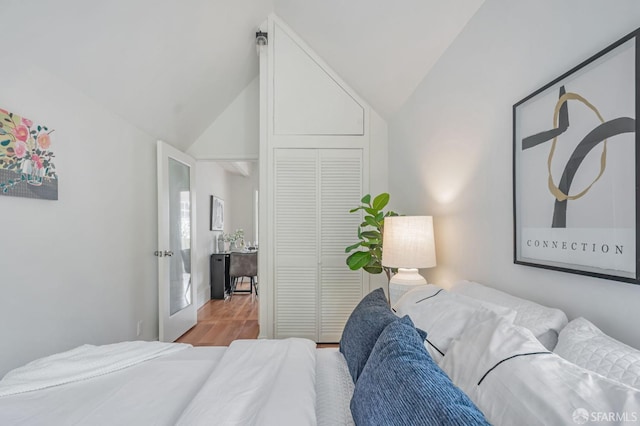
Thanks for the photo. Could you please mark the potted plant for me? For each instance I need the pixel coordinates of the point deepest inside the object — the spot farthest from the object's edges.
(235, 239)
(239, 238)
(370, 233)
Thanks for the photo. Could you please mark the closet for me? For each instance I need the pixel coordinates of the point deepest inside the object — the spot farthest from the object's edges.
(314, 290)
(315, 159)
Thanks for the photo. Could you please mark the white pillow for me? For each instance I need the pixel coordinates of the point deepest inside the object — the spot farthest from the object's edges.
(513, 379)
(544, 322)
(442, 315)
(584, 344)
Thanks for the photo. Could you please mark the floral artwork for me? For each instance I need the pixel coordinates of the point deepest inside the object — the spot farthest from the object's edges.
(26, 159)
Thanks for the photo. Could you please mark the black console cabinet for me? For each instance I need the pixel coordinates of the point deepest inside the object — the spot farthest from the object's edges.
(219, 281)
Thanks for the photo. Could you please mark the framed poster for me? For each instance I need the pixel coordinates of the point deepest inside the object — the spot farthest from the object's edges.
(217, 214)
(575, 180)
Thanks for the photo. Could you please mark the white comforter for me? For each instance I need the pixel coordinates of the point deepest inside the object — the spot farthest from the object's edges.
(81, 363)
(259, 382)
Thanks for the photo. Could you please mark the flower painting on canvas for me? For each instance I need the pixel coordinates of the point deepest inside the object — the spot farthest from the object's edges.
(26, 158)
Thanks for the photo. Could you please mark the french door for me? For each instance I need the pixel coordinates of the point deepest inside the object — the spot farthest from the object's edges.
(176, 227)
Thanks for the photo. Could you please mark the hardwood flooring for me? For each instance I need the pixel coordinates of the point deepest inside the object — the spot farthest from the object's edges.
(221, 322)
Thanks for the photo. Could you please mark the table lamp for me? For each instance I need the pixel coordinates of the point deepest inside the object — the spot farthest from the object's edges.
(407, 244)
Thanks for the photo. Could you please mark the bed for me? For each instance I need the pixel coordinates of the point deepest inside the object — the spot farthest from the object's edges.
(470, 355)
(193, 385)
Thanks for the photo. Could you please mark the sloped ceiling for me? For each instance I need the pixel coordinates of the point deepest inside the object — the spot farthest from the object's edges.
(382, 49)
(170, 67)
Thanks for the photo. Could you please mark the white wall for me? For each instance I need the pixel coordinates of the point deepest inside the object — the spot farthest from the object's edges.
(451, 146)
(211, 179)
(241, 196)
(80, 269)
(234, 134)
(378, 175)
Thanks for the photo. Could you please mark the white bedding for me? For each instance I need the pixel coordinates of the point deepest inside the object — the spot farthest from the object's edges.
(334, 389)
(265, 382)
(81, 363)
(544, 322)
(514, 380)
(156, 392)
(443, 315)
(584, 344)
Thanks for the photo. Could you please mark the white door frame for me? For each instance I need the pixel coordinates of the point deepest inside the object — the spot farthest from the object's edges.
(173, 326)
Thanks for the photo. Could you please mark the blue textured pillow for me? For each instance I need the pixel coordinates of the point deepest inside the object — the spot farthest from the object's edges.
(402, 385)
(361, 332)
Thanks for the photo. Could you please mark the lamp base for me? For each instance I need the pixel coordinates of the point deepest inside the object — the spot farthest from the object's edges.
(402, 282)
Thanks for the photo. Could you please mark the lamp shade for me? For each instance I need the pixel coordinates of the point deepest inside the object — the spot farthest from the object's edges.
(408, 242)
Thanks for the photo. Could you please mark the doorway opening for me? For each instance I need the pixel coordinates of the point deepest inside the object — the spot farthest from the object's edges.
(228, 308)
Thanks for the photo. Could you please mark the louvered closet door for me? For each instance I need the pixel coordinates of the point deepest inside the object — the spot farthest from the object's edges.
(296, 243)
(340, 289)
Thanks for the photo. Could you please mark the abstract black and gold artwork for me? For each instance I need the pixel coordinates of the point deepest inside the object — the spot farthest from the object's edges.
(575, 168)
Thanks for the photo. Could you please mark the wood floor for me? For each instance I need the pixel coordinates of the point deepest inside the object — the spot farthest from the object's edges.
(221, 322)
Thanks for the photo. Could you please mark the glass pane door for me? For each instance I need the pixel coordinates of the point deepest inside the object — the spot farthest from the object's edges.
(179, 237)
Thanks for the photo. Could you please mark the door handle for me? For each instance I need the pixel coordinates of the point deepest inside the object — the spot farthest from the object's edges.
(168, 253)
(157, 253)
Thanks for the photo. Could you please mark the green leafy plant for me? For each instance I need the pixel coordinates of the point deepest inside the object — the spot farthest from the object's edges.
(370, 234)
(234, 237)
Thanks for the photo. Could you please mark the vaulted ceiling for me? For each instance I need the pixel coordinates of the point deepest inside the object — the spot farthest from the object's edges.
(170, 67)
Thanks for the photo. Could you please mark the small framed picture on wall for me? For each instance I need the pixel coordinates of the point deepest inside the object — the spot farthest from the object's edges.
(217, 214)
